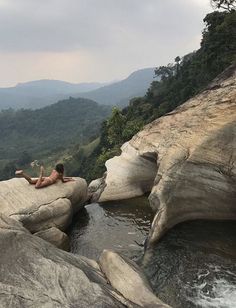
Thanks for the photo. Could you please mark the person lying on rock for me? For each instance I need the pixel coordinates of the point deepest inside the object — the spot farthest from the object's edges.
(57, 174)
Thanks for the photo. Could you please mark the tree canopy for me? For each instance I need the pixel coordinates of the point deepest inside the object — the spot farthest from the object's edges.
(228, 5)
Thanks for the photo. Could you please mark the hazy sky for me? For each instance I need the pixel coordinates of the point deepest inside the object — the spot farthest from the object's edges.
(94, 40)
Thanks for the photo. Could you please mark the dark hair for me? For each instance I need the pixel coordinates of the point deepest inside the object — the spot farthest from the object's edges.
(59, 168)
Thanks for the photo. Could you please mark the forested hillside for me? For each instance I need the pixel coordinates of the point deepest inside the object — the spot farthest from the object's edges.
(178, 82)
(28, 135)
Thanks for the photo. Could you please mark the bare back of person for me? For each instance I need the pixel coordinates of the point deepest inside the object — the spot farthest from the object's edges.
(54, 176)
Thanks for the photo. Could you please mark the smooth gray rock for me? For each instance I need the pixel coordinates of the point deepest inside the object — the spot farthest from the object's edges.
(129, 175)
(56, 237)
(40, 209)
(35, 274)
(136, 287)
(96, 188)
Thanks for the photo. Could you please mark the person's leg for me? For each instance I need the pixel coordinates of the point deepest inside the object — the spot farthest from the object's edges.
(26, 176)
(40, 179)
(44, 183)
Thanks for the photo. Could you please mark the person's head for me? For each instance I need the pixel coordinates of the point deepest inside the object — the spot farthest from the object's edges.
(59, 168)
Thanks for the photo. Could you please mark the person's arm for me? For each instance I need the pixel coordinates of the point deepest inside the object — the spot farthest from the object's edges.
(67, 179)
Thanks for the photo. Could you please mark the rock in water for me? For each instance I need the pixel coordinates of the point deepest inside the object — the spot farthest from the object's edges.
(187, 159)
(95, 188)
(33, 273)
(136, 287)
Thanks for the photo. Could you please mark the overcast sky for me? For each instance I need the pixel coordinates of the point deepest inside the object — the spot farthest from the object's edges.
(94, 40)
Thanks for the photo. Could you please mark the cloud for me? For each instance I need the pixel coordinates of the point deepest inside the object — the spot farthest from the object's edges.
(125, 33)
(66, 25)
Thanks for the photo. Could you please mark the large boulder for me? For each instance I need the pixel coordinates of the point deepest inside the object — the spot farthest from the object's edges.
(187, 159)
(136, 287)
(128, 176)
(33, 273)
(40, 209)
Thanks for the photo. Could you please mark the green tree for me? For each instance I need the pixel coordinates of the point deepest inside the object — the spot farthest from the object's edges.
(164, 72)
(177, 61)
(115, 126)
(228, 5)
(131, 128)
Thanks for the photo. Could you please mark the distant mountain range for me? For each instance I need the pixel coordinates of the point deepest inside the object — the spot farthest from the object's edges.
(40, 93)
(119, 93)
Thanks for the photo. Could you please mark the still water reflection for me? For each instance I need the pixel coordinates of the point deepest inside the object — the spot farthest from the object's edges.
(121, 226)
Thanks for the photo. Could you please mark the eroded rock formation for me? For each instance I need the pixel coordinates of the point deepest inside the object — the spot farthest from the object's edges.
(33, 273)
(44, 208)
(187, 159)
